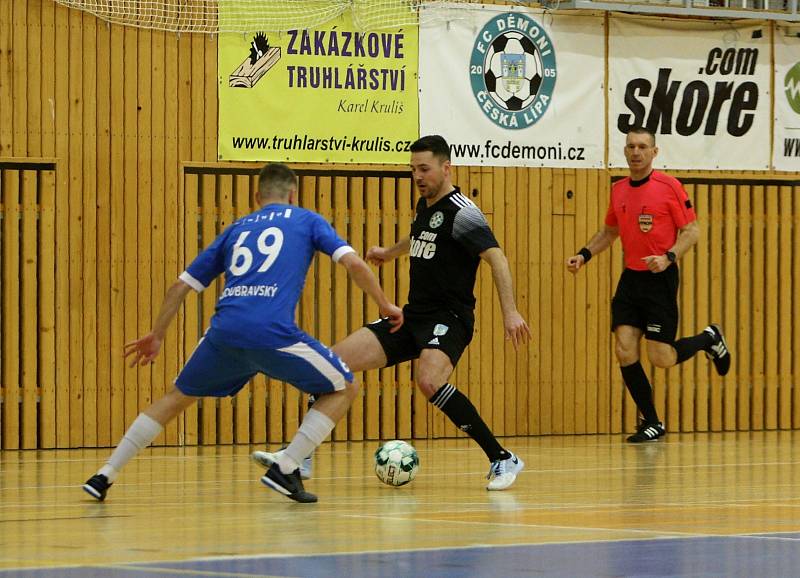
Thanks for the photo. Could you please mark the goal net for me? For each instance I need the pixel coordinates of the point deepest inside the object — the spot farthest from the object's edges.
(248, 16)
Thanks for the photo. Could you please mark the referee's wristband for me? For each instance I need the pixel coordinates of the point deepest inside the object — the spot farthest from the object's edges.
(586, 254)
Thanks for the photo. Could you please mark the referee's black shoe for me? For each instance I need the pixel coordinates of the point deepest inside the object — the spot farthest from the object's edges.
(290, 485)
(647, 432)
(718, 352)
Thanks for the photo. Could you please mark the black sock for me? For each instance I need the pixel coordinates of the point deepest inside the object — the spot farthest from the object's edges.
(637, 383)
(463, 414)
(688, 346)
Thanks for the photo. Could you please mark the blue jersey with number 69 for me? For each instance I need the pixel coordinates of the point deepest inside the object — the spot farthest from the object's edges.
(265, 257)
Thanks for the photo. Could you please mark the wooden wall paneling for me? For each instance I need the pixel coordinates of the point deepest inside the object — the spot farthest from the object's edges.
(536, 287)
(572, 390)
(6, 79)
(716, 288)
(326, 300)
(388, 278)
(795, 311)
(33, 75)
(728, 292)
(741, 330)
(371, 383)
(509, 355)
(341, 283)
(130, 193)
(702, 203)
(75, 195)
(521, 366)
(47, 311)
(225, 421)
(117, 267)
(609, 376)
(786, 290)
(30, 312)
(87, 230)
(12, 317)
(587, 198)
(355, 304)
(406, 390)
(103, 279)
(156, 102)
(757, 308)
(144, 257)
(173, 214)
(559, 398)
(576, 316)
(772, 284)
(19, 20)
(210, 117)
(497, 343)
(484, 309)
(467, 373)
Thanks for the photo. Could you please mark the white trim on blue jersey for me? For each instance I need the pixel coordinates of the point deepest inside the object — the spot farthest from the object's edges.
(341, 252)
(191, 281)
(325, 367)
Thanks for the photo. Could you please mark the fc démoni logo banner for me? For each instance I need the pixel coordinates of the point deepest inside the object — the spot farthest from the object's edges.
(511, 86)
(786, 144)
(332, 95)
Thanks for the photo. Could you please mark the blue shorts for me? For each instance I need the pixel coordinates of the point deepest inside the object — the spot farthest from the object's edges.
(217, 370)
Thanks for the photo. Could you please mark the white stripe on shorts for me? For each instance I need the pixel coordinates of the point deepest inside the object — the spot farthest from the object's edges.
(325, 367)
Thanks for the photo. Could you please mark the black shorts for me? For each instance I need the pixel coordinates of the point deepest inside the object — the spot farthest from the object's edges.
(441, 330)
(648, 301)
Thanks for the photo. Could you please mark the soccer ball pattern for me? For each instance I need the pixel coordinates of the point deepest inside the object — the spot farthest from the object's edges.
(513, 71)
(396, 463)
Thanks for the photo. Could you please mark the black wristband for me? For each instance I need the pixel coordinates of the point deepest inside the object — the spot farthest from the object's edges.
(586, 254)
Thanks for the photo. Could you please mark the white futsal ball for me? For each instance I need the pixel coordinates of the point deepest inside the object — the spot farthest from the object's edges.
(396, 463)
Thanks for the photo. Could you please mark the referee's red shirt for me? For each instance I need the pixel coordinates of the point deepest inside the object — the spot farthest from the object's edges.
(648, 216)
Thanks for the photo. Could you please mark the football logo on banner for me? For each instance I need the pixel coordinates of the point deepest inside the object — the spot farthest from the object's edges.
(513, 70)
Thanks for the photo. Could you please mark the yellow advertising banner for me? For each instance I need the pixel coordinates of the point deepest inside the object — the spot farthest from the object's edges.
(332, 95)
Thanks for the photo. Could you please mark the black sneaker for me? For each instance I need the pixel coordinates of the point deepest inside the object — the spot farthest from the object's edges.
(97, 487)
(647, 432)
(290, 485)
(718, 352)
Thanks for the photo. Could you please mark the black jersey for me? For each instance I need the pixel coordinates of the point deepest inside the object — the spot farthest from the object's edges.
(446, 241)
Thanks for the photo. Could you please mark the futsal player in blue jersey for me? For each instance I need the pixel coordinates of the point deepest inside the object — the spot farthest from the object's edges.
(265, 257)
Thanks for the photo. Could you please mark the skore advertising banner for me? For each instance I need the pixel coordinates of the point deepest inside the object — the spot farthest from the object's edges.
(786, 147)
(509, 86)
(703, 88)
(331, 95)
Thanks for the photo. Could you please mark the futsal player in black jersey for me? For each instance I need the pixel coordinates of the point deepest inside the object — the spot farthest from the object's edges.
(449, 238)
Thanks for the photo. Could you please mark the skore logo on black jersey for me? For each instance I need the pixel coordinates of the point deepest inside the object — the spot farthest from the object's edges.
(424, 249)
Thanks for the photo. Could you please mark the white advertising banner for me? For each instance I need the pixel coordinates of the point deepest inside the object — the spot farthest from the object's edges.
(786, 146)
(703, 88)
(511, 86)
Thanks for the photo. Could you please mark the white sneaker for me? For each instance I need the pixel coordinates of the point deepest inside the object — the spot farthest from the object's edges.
(502, 473)
(266, 459)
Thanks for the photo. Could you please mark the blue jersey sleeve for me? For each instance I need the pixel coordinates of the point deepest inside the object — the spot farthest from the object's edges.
(327, 241)
(208, 265)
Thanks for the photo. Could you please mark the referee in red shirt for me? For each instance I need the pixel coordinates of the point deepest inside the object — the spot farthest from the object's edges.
(653, 215)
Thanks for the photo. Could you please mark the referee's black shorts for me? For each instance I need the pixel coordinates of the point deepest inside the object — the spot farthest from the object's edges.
(440, 330)
(648, 301)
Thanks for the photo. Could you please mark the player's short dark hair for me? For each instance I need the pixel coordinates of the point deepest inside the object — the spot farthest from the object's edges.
(433, 143)
(276, 180)
(643, 130)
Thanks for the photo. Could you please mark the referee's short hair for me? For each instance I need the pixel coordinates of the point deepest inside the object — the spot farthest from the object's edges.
(276, 180)
(643, 130)
(433, 143)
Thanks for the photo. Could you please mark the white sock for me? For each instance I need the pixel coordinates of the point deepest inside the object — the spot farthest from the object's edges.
(142, 432)
(315, 428)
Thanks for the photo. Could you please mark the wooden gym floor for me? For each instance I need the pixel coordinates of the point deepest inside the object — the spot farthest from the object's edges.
(706, 505)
